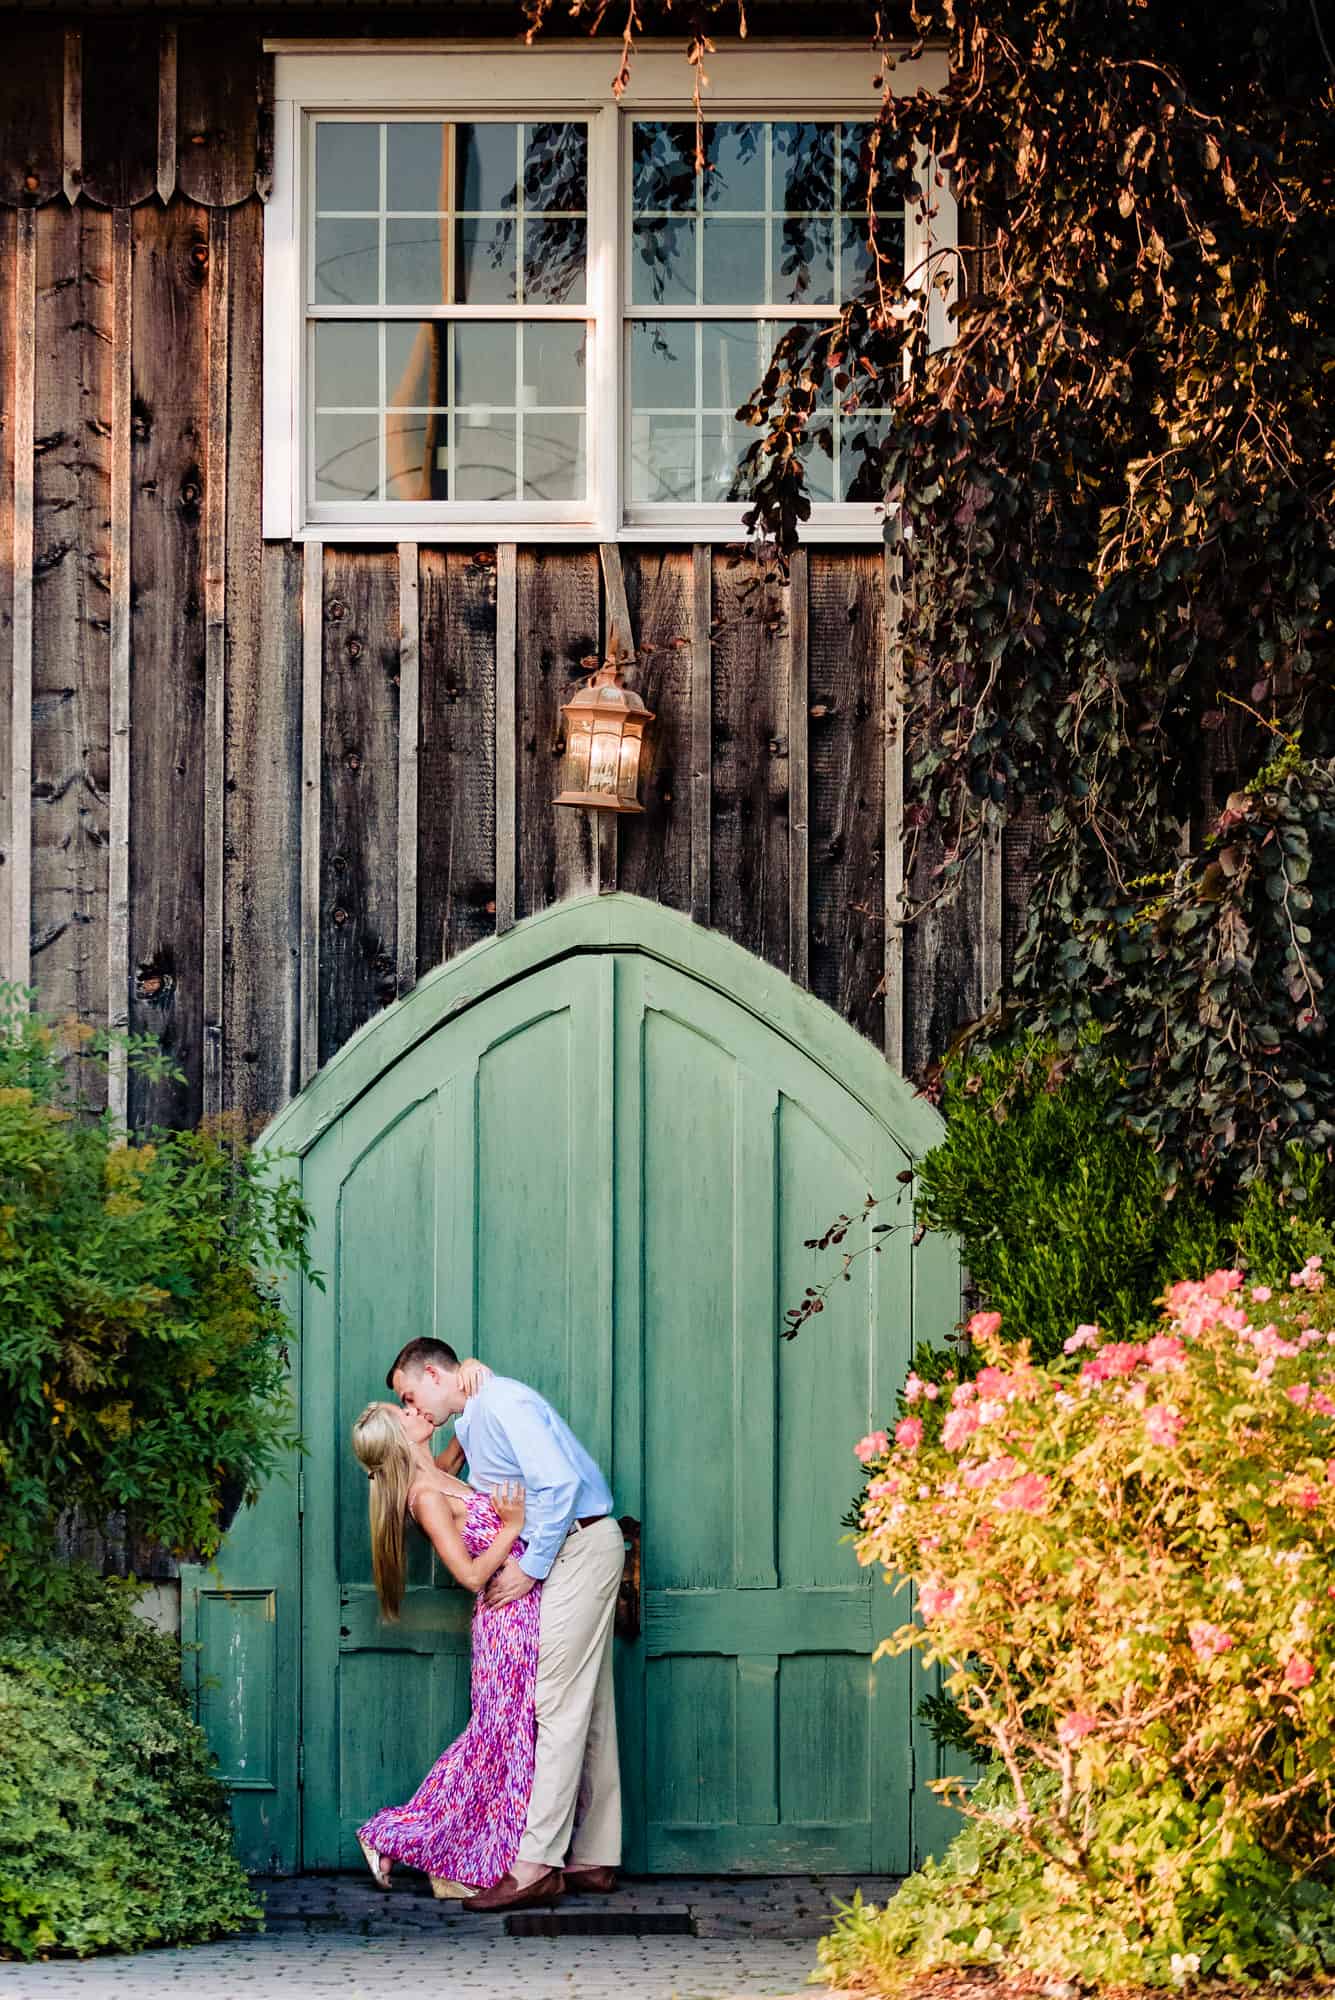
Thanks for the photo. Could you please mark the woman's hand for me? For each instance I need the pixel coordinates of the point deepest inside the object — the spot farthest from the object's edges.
(508, 1500)
(472, 1374)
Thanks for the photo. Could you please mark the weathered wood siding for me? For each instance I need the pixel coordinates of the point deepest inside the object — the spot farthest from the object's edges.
(249, 792)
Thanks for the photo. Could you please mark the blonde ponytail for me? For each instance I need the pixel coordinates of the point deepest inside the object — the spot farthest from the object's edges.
(378, 1440)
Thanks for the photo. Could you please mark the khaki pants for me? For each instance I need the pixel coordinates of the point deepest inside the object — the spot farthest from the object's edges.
(574, 1812)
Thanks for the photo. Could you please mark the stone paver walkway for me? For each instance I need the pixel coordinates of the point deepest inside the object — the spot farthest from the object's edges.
(335, 1937)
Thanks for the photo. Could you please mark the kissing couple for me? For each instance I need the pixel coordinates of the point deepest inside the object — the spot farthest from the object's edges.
(525, 1806)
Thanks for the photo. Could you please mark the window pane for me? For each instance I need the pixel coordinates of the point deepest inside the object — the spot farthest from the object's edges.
(734, 175)
(553, 457)
(733, 263)
(817, 455)
(803, 261)
(804, 157)
(347, 366)
(855, 167)
(662, 458)
(556, 166)
(416, 370)
(731, 362)
(347, 166)
(416, 456)
(415, 273)
(663, 263)
(554, 259)
(484, 457)
(488, 160)
(554, 372)
(862, 440)
(347, 458)
(417, 167)
(347, 262)
(662, 165)
(724, 444)
(484, 364)
(856, 269)
(485, 263)
(662, 364)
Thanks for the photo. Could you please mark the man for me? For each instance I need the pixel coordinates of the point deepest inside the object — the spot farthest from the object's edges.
(572, 1840)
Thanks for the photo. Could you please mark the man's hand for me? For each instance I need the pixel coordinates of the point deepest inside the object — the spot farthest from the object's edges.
(509, 1584)
(472, 1374)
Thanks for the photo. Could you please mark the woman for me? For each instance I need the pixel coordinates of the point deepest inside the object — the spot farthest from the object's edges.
(463, 1825)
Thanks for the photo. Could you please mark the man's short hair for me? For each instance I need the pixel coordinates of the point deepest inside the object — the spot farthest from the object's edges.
(418, 1353)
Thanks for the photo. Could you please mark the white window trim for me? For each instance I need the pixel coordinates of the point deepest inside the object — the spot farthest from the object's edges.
(452, 79)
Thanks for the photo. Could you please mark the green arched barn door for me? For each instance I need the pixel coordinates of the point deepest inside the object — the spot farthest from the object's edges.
(593, 1153)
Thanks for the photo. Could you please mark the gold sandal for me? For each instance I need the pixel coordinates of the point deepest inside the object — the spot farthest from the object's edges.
(445, 1890)
(379, 1864)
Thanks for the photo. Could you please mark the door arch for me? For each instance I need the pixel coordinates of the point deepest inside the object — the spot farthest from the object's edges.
(592, 1151)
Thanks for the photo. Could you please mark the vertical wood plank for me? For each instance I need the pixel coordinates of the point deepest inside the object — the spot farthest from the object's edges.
(456, 833)
(507, 725)
(118, 721)
(173, 252)
(215, 657)
(799, 846)
(846, 720)
(655, 853)
(8, 337)
(1022, 838)
(757, 1769)
(557, 628)
(72, 116)
(71, 651)
(992, 907)
(312, 758)
(619, 635)
(32, 113)
(120, 112)
(409, 724)
(166, 171)
(218, 100)
(702, 731)
(749, 864)
(17, 946)
(893, 787)
(359, 792)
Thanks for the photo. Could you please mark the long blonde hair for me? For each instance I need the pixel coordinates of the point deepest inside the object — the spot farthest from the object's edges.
(378, 1440)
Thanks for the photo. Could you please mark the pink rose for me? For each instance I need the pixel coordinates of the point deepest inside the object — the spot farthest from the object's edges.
(1220, 1283)
(964, 1392)
(908, 1433)
(1028, 1495)
(1084, 1336)
(1207, 1640)
(1298, 1392)
(912, 1389)
(984, 1325)
(1307, 1497)
(1165, 1351)
(875, 1445)
(937, 1600)
(1261, 1293)
(1163, 1425)
(1074, 1728)
(1298, 1672)
(931, 1391)
(958, 1428)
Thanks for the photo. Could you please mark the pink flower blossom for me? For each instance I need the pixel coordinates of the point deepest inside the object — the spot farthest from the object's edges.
(1163, 1425)
(1261, 1293)
(958, 1428)
(1118, 1358)
(1074, 1728)
(937, 1600)
(1028, 1495)
(1207, 1640)
(1165, 1351)
(984, 1325)
(875, 1445)
(912, 1389)
(1298, 1392)
(881, 1489)
(1220, 1283)
(1084, 1336)
(1307, 1497)
(963, 1392)
(1310, 1279)
(931, 1391)
(993, 1469)
(1299, 1672)
(908, 1433)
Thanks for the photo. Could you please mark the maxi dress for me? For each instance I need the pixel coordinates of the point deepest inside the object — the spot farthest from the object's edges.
(466, 1819)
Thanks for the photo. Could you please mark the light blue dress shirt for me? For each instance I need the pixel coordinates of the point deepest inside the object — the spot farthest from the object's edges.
(509, 1431)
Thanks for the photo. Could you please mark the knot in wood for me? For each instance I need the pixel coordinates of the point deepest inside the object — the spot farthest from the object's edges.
(31, 183)
(352, 760)
(354, 649)
(336, 610)
(340, 918)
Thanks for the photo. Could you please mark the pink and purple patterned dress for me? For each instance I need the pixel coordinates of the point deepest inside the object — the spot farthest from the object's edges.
(466, 1819)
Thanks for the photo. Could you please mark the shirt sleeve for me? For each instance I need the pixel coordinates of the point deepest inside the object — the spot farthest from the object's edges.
(551, 1482)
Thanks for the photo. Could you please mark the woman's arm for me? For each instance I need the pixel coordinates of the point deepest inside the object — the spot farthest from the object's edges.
(435, 1517)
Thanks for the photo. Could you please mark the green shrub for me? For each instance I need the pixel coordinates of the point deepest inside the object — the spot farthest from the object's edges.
(142, 1343)
(1060, 1209)
(1122, 1563)
(113, 1831)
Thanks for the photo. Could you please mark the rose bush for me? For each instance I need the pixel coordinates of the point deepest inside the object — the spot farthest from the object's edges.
(1124, 1563)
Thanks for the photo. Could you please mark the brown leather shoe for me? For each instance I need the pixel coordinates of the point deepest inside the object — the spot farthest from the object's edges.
(590, 1881)
(507, 1894)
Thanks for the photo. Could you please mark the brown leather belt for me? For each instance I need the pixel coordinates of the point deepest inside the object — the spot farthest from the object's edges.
(589, 1521)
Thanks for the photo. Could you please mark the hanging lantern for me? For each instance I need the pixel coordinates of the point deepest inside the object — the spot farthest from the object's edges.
(605, 743)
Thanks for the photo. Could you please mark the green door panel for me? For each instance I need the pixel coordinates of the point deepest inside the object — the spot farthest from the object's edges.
(594, 1153)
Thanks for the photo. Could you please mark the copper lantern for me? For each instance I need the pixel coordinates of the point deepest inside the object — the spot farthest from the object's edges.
(605, 744)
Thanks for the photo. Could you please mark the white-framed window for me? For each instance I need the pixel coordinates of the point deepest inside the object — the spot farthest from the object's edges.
(500, 303)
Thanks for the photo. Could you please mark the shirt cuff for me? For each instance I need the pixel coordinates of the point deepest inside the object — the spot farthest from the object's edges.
(535, 1564)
